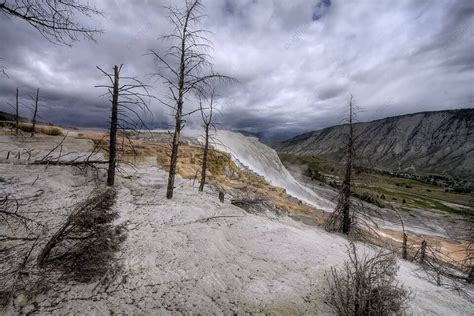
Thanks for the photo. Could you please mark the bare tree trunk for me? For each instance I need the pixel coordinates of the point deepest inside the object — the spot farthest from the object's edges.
(36, 111)
(423, 252)
(346, 186)
(179, 112)
(17, 115)
(174, 154)
(405, 246)
(404, 237)
(340, 220)
(128, 95)
(113, 130)
(204, 160)
(207, 119)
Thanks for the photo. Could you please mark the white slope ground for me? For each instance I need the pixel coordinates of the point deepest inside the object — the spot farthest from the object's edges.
(177, 259)
(252, 155)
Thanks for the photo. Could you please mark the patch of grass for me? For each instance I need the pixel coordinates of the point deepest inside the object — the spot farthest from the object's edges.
(26, 127)
(369, 198)
(406, 193)
(313, 162)
(51, 130)
(47, 130)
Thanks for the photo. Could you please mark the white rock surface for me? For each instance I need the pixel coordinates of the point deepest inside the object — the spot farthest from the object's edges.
(178, 259)
(251, 154)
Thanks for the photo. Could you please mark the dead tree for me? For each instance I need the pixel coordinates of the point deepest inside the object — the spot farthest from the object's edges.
(17, 124)
(469, 259)
(55, 20)
(113, 130)
(34, 113)
(366, 285)
(340, 219)
(208, 123)
(128, 96)
(185, 68)
(3, 70)
(404, 237)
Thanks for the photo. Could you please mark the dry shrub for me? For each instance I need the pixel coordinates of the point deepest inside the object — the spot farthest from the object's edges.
(51, 130)
(83, 248)
(26, 127)
(47, 130)
(17, 243)
(366, 285)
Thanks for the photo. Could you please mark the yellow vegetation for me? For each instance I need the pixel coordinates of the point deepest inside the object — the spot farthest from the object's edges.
(43, 129)
(222, 172)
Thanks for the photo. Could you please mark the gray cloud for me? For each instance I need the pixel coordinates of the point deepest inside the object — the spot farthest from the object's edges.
(296, 62)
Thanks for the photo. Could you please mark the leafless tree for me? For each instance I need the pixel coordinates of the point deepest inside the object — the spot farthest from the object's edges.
(340, 219)
(96, 206)
(404, 237)
(208, 124)
(469, 260)
(17, 116)
(35, 112)
(366, 285)
(2, 69)
(185, 68)
(444, 270)
(15, 107)
(18, 237)
(55, 20)
(128, 96)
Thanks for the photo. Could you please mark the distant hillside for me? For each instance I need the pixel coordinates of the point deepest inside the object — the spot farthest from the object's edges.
(439, 142)
(4, 116)
(10, 117)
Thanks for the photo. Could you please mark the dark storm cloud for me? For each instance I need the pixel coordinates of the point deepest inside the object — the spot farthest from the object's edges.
(296, 62)
(320, 9)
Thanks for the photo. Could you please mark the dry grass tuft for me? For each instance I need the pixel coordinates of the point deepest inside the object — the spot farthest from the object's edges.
(51, 130)
(43, 129)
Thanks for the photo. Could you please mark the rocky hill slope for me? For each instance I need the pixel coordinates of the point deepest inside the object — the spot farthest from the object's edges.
(439, 142)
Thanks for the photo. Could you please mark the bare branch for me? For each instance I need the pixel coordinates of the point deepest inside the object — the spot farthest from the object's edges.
(54, 20)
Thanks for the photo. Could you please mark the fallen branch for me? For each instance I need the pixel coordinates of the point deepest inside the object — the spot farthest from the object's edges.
(207, 219)
(69, 163)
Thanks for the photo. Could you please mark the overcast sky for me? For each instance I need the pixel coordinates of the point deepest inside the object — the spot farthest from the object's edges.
(296, 61)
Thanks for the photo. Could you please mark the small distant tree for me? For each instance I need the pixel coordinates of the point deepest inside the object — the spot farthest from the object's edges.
(469, 259)
(186, 69)
(128, 96)
(208, 124)
(54, 20)
(404, 237)
(35, 112)
(340, 219)
(17, 116)
(3, 71)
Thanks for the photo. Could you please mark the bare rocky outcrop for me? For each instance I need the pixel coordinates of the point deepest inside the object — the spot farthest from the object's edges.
(439, 142)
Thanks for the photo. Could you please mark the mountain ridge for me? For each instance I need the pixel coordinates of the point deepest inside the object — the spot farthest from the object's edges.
(440, 142)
